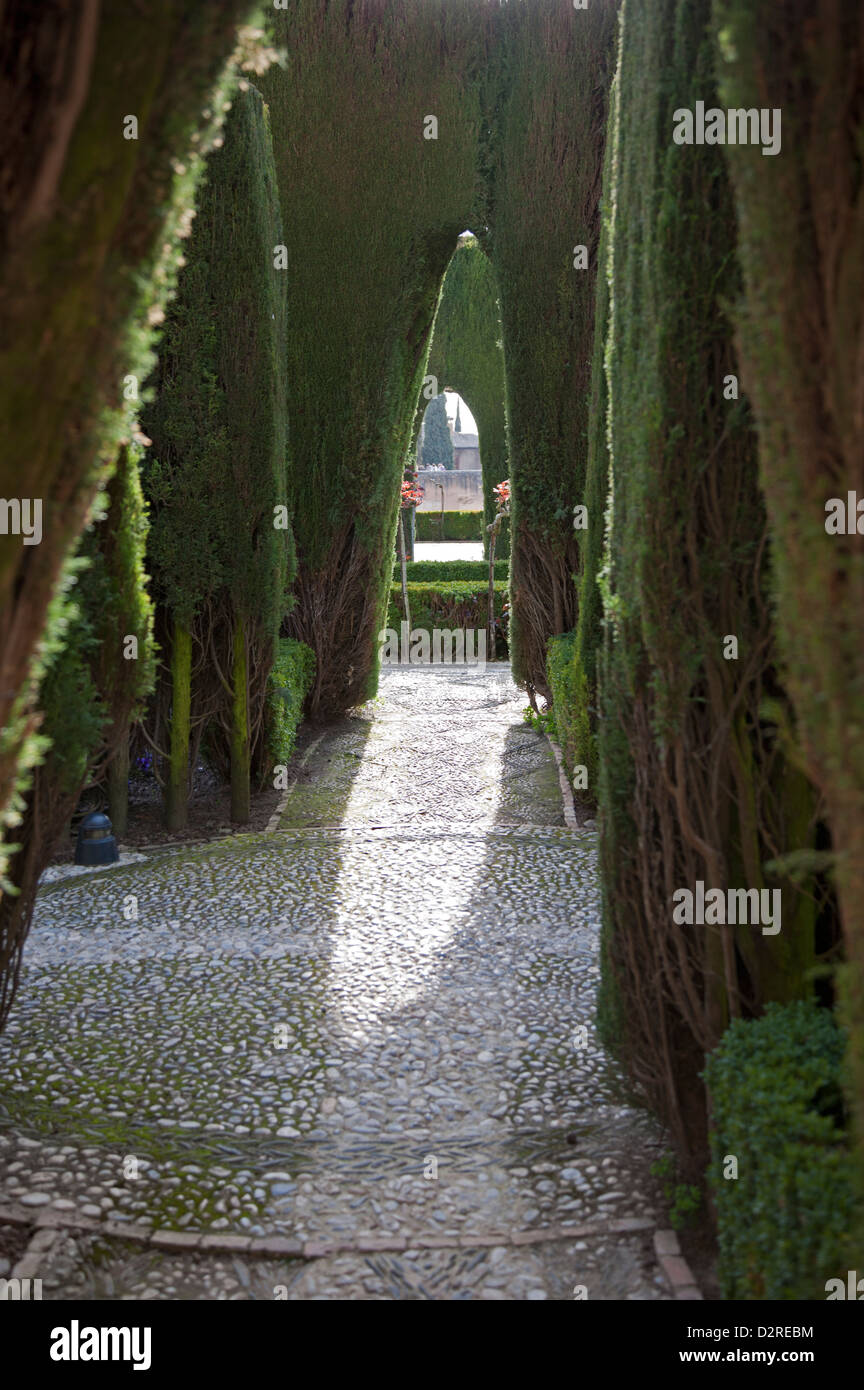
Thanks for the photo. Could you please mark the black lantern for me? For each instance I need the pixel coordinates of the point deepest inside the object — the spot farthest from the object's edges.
(96, 844)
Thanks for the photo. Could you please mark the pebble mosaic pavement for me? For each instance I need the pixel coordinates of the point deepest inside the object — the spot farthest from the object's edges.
(373, 1025)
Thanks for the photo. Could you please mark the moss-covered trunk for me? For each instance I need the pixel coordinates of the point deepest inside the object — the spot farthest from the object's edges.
(177, 781)
(240, 751)
(118, 788)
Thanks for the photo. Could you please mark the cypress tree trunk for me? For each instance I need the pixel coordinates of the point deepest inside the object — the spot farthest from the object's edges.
(177, 787)
(118, 788)
(239, 730)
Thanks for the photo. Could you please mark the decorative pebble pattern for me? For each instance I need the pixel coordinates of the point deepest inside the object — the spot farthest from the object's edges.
(376, 1021)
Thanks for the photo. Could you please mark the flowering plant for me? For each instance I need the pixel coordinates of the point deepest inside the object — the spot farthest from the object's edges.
(502, 494)
(412, 495)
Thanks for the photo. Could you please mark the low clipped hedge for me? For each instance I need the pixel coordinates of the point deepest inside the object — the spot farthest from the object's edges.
(426, 571)
(448, 526)
(446, 605)
(559, 673)
(572, 715)
(288, 685)
(777, 1106)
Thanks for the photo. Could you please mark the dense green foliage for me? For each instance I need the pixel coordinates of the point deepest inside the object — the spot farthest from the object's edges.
(448, 526)
(467, 356)
(784, 1222)
(580, 695)
(561, 679)
(216, 472)
(801, 330)
(420, 571)
(544, 176)
(436, 445)
(289, 683)
(371, 210)
(460, 604)
(697, 780)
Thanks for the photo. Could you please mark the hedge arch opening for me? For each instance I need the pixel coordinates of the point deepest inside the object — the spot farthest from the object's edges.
(466, 356)
(456, 123)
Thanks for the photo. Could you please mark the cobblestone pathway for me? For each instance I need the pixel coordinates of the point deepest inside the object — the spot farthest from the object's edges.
(370, 1030)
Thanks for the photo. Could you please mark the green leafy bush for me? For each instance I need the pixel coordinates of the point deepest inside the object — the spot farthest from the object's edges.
(542, 723)
(449, 526)
(290, 680)
(571, 698)
(683, 1199)
(426, 571)
(777, 1105)
(561, 674)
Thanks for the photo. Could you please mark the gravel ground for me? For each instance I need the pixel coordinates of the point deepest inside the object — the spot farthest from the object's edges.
(376, 1020)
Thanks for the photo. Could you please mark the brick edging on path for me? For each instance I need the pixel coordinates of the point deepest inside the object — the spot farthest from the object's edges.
(674, 1266)
(49, 1225)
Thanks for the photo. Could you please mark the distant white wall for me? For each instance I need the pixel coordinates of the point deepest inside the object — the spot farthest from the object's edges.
(463, 489)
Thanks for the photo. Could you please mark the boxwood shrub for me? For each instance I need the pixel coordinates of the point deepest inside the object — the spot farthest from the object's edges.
(777, 1105)
(449, 526)
(293, 673)
(560, 672)
(431, 571)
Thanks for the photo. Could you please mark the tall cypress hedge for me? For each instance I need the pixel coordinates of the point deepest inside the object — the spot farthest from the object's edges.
(698, 772)
(544, 173)
(90, 221)
(216, 473)
(93, 688)
(582, 679)
(372, 211)
(801, 331)
(467, 356)
(437, 445)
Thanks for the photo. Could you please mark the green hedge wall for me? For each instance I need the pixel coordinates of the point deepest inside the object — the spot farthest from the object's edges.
(371, 211)
(696, 777)
(446, 571)
(110, 212)
(589, 630)
(545, 162)
(449, 526)
(446, 605)
(777, 1108)
(801, 335)
(289, 683)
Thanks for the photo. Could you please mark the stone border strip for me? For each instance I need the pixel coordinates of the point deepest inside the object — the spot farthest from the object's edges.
(566, 790)
(49, 1224)
(273, 823)
(29, 1263)
(674, 1266)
